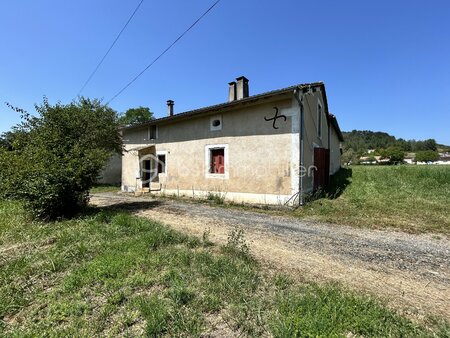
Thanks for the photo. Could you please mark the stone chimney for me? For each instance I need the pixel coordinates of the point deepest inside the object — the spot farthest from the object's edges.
(232, 91)
(241, 88)
(170, 104)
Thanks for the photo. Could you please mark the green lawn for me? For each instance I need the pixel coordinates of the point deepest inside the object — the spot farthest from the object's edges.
(105, 188)
(109, 273)
(408, 197)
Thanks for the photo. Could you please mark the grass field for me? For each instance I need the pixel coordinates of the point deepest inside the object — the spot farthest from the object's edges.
(411, 198)
(109, 273)
(105, 188)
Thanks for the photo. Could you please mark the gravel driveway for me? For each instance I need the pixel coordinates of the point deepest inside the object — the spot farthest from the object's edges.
(411, 272)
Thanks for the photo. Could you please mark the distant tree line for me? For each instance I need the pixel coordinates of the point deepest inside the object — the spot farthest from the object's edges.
(362, 140)
(358, 142)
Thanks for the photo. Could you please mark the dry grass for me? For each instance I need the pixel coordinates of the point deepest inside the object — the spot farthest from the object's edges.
(409, 198)
(404, 291)
(110, 273)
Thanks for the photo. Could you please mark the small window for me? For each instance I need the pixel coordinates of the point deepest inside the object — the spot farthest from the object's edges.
(319, 121)
(153, 132)
(217, 164)
(161, 164)
(215, 123)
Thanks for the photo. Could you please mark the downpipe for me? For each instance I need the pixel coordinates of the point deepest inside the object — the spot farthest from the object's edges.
(298, 94)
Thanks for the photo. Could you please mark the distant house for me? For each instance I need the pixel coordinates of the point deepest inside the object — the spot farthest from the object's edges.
(410, 158)
(373, 160)
(368, 160)
(444, 159)
(267, 148)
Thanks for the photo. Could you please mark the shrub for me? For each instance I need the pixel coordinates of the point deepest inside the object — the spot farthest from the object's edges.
(395, 154)
(217, 198)
(427, 156)
(57, 156)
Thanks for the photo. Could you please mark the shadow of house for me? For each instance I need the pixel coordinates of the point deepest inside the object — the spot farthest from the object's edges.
(128, 206)
(339, 182)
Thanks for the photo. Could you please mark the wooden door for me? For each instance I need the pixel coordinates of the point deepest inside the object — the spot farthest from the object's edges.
(322, 163)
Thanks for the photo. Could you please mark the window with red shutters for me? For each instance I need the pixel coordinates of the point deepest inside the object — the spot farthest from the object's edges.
(217, 165)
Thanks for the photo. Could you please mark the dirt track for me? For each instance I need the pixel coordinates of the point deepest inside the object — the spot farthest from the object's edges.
(412, 272)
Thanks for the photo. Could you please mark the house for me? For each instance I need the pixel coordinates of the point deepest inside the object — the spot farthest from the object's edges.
(112, 172)
(410, 158)
(369, 159)
(444, 159)
(269, 148)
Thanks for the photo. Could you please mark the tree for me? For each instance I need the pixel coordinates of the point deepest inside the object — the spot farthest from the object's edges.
(347, 156)
(427, 156)
(5, 142)
(13, 139)
(430, 144)
(403, 144)
(135, 116)
(395, 154)
(59, 156)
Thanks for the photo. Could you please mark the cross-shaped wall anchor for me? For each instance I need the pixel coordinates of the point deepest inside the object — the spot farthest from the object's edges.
(275, 118)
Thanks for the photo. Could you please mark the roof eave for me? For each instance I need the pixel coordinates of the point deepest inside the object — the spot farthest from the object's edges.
(223, 106)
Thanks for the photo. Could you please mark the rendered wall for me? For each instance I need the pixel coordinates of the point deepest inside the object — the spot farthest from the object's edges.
(112, 173)
(262, 162)
(335, 153)
(259, 157)
(312, 140)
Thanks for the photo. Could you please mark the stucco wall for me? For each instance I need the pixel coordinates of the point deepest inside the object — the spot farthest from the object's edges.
(260, 159)
(112, 173)
(335, 153)
(312, 140)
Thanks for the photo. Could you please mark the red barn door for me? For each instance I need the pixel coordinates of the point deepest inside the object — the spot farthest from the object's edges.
(322, 163)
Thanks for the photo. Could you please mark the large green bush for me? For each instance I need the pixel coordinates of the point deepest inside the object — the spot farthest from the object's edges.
(427, 156)
(55, 157)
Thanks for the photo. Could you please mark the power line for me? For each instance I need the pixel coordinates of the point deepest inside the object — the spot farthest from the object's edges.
(165, 51)
(111, 47)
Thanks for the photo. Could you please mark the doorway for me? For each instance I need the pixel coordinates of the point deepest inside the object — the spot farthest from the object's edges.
(322, 164)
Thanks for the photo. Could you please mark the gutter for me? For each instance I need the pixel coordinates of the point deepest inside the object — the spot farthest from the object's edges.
(298, 94)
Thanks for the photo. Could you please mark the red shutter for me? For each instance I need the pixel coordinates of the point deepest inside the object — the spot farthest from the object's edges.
(217, 161)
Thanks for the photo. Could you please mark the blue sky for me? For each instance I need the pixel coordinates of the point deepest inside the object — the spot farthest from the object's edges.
(385, 64)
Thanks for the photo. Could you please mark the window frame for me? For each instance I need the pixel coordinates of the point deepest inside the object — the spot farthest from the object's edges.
(214, 118)
(166, 167)
(207, 164)
(150, 132)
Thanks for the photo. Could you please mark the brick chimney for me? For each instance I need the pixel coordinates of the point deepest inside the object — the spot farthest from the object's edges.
(170, 104)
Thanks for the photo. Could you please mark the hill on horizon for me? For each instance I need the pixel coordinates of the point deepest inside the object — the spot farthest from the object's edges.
(359, 141)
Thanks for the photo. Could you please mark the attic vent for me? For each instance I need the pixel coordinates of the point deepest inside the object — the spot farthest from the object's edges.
(215, 123)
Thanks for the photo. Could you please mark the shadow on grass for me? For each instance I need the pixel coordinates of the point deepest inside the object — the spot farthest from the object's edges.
(123, 206)
(339, 182)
